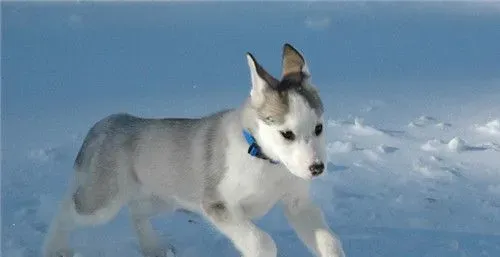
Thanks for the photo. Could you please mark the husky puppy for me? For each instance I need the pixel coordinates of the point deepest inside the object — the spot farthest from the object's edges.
(230, 167)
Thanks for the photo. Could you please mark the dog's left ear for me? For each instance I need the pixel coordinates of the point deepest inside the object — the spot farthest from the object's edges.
(294, 63)
(261, 81)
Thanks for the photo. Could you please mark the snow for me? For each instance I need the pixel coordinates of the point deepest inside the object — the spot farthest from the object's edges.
(410, 92)
(457, 145)
(492, 127)
(359, 129)
(341, 147)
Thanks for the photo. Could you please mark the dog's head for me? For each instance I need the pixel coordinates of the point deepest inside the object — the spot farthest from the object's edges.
(290, 115)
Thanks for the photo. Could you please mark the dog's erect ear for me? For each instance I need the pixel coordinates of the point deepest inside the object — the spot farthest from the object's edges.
(261, 80)
(293, 62)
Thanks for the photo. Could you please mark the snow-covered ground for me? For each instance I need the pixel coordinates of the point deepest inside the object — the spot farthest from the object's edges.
(411, 93)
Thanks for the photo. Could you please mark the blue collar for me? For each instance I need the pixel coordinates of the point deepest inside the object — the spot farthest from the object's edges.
(254, 149)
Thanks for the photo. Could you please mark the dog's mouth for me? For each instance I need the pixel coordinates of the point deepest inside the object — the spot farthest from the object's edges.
(304, 175)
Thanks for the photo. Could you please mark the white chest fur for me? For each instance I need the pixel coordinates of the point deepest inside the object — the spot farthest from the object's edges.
(256, 190)
(254, 184)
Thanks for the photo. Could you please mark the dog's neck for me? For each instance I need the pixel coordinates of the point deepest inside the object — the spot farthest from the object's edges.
(248, 118)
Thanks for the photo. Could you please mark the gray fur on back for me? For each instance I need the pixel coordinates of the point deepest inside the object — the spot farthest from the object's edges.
(113, 145)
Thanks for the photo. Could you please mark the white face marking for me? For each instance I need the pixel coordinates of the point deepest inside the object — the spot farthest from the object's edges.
(306, 149)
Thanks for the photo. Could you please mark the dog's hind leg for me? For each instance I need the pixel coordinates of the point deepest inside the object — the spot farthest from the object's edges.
(78, 209)
(56, 240)
(140, 211)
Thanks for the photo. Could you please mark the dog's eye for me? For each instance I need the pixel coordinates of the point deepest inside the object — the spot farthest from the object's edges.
(318, 129)
(288, 135)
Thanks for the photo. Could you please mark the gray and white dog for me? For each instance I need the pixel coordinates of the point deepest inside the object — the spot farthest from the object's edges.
(229, 167)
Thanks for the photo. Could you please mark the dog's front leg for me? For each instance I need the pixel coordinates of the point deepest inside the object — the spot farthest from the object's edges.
(245, 235)
(307, 220)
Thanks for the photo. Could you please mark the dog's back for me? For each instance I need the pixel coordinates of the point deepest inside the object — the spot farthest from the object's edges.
(121, 150)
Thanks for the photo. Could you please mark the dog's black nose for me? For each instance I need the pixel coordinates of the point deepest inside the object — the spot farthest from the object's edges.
(317, 168)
